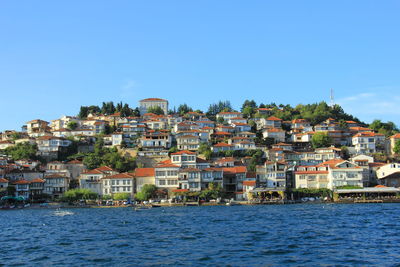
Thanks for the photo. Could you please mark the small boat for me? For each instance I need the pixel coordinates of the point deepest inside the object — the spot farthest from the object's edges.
(138, 208)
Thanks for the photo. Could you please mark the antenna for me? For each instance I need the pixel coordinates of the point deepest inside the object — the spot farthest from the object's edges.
(332, 98)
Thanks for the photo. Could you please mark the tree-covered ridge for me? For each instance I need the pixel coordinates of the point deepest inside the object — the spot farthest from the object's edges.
(108, 108)
(314, 113)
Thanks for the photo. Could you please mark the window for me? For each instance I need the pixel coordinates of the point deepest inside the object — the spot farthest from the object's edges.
(161, 182)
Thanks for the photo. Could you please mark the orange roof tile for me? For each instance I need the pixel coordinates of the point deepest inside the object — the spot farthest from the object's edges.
(144, 172)
(249, 183)
(273, 118)
(119, 176)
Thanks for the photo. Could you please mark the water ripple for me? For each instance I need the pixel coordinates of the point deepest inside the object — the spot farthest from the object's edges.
(281, 235)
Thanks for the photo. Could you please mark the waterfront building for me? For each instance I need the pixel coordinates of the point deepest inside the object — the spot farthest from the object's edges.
(56, 185)
(272, 174)
(389, 174)
(330, 174)
(91, 179)
(118, 183)
(144, 176)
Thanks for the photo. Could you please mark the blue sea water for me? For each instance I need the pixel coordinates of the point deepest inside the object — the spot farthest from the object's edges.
(276, 235)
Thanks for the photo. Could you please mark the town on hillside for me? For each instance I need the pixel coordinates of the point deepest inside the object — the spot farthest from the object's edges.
(261, 153)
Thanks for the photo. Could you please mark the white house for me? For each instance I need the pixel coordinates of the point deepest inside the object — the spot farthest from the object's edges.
(147, 103)
(276, 133)
(118, 183)
(368, 142)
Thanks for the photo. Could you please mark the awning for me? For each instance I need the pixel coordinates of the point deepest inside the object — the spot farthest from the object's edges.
(368, 190)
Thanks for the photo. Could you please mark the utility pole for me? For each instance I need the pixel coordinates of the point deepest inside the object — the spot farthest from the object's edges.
(332, 99)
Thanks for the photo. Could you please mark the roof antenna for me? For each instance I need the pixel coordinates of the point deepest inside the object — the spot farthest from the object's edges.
(332, 99)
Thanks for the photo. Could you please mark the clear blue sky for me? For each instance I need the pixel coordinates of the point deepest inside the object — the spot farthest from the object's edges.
(58, 55)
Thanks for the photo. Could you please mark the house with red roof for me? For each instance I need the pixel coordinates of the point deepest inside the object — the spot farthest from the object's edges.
(91, 179)
(229, 115)
(330, 174)
(392, 142)
(118, 183)
(270, 122)
(368, 142)
(272, 174)
(220, 147)
(144, 176)
(275, 133)
(147, 103)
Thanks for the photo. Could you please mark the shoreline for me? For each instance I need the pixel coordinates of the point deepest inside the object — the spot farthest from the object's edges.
(195, 204)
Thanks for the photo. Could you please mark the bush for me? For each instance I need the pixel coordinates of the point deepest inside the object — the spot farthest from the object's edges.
(74, 195)
(121, 196)
(147, 192)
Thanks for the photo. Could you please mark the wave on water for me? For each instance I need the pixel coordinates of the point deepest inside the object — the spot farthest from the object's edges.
(62, 213)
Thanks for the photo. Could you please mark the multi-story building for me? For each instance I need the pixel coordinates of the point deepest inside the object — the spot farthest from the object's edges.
(330, 174)
(118, 183)
(272, 174)
(91, 179)
(147, 103)
(368, 142)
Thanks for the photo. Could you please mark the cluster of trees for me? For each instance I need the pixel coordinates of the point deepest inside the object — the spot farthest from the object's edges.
(106, 156)
(221, 106)
(213, 191)
(156, 110)
(205, 149)
(315, 113)
(148, 191)
(20, 151)
(74, 195)
(321, 139)
(386, 128)
(108, 108)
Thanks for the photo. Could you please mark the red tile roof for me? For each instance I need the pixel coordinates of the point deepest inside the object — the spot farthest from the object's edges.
(249, 183)
(234, 170)
(37, 180)
(152, 99)
(273, 118)
(144, 172)
(184, 152)
(222, 145)
(22, 182)
(119, 176)
(2, 180)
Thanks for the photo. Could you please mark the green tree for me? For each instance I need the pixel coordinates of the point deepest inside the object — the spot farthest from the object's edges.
(24, 150)
(136, 112)
(86, 110)
(148, 191)
(173, 149)
(183, 109)
(396, 148)
(321, 139)
(156, 110)
(121, 196)
(74, 195)
(15, 136)
(344, 153)
(72, 125)
(248, 112)
(213, 191)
